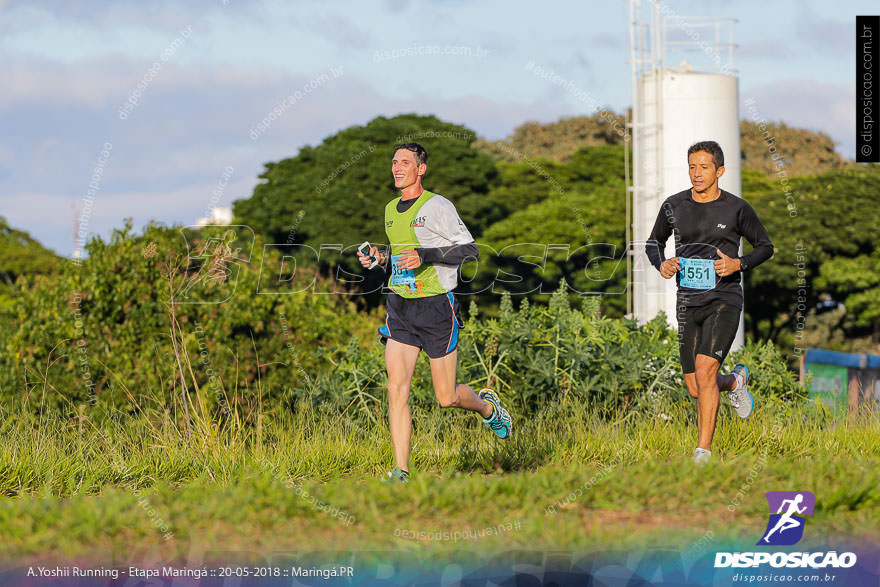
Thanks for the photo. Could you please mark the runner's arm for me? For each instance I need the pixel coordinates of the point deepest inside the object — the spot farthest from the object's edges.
(453, 255)
(443, 220)
(657, 240)
(756, 234)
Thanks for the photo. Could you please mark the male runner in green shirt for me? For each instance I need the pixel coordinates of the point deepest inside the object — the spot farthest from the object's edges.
(428, 243)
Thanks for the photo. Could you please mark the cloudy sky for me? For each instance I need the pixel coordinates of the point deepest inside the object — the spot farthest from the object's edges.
(174, 91)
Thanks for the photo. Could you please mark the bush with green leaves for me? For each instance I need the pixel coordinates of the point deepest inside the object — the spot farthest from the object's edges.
(539, 357)
(180, 321)
(123, 328)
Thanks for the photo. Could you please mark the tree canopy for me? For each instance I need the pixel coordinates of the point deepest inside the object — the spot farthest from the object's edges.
(541, 216)
(21, 254)
(336, 192)
(548, 203)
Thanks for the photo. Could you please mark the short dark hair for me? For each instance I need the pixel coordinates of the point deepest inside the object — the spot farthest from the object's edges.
(710, 147)
(420, 151)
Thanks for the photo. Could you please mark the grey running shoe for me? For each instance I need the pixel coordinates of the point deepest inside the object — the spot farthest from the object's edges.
(740, 397)
(701, 456)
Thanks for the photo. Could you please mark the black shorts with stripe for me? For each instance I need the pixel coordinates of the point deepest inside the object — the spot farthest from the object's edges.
(706, 330)
(430, 323)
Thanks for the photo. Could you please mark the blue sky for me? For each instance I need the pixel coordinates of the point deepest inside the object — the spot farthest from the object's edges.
(70, 66)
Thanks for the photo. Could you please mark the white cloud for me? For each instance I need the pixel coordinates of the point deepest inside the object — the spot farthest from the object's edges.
(189, 125)
(824, 36)
(341, 31)
(167, 15)
(769, 49)
(49, 217)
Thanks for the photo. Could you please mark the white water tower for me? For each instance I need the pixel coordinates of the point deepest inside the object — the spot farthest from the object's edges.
(673, 108)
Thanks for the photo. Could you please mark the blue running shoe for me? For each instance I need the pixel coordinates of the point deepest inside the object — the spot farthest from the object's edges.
(398, 475)
(740, 397)
(499, 421)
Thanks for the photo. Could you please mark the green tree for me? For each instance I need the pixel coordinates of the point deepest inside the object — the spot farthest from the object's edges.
(801, 151)
(825, 236)
(558, 140)
(103, 330)
(575, 230)
(339, 189)
(856, 282)
(21, 254)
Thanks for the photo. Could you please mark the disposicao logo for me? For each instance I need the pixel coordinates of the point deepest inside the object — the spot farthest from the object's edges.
(786, 525)
(788, 511)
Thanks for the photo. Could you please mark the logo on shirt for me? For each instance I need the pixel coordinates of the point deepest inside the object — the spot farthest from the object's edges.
(388, 223)
(721, 226)
(420, 221)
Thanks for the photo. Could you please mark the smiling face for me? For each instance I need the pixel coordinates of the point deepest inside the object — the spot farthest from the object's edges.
(704, 175)
(405, 169)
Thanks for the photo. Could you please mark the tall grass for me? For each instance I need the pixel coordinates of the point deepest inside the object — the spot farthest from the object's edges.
(569, 478)
(51, 455)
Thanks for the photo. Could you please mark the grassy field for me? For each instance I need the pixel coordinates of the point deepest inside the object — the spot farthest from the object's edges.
(133, 487)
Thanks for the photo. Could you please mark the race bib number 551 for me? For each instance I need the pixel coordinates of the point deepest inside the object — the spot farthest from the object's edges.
(696, 273)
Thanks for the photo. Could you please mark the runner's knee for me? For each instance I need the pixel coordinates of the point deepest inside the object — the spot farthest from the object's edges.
(447, 396)
(706, 379)
(397, 392)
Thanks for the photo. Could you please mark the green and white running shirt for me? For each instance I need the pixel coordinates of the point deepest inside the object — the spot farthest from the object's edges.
(432, 221)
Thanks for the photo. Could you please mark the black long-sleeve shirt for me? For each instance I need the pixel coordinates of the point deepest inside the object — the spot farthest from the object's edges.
(699, 228)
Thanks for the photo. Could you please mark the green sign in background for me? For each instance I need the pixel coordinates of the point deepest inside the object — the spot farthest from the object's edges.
(829, 385)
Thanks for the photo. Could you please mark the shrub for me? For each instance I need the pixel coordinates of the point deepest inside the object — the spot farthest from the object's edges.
(148, 320)
(104, 331)
(542, 356)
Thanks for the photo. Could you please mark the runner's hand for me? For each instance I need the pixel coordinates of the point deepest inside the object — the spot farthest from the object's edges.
(365, 259)
(725, 265)
(669, 267)
(409, 260)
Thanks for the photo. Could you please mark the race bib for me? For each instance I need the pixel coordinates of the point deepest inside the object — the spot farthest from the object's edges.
(696, 273)
(401, 276)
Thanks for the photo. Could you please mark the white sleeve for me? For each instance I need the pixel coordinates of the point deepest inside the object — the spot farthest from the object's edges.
(442, 218)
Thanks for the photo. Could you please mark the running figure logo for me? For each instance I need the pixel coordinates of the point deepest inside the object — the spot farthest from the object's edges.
(786, 526)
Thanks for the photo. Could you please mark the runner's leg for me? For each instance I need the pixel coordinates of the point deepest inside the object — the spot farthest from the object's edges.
(689, 338)
(688, 341)
(451, 395)
(690, 381)
(725, 383)
(400, 361)
(707, 402)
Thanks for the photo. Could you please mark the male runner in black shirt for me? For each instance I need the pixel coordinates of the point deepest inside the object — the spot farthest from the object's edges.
(707, 223)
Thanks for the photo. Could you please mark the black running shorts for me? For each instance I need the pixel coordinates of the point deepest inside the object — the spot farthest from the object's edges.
(706, 330)
(430, 323)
